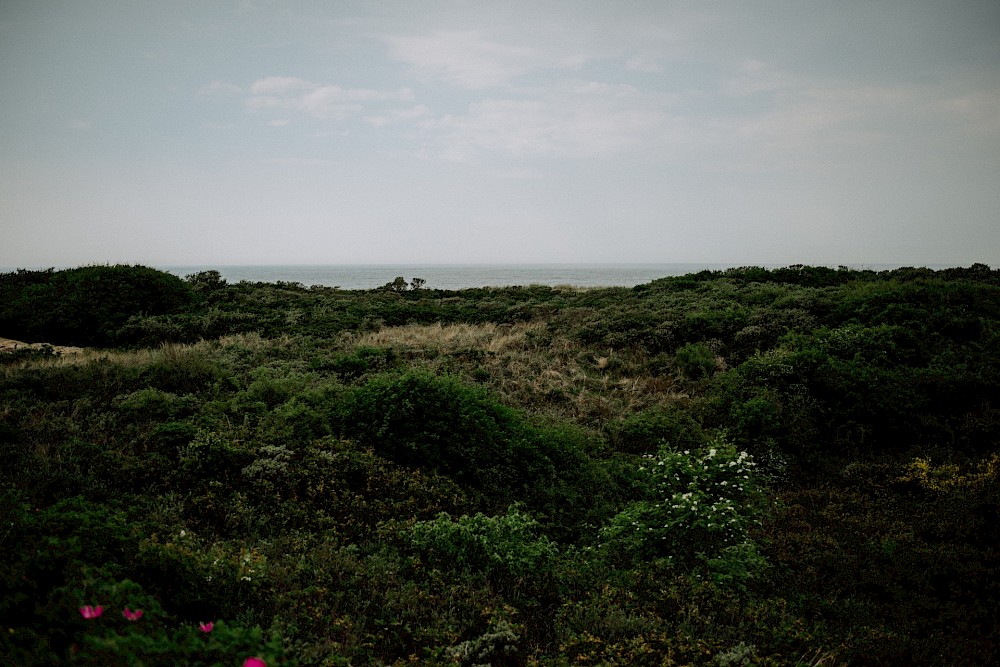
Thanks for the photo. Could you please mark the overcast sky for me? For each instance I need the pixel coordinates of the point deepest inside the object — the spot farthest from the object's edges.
(444, 131)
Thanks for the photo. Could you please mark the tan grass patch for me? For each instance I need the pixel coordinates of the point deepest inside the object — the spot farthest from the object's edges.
(555, 376)
(169, 352)
(11, 345)
(489, 337)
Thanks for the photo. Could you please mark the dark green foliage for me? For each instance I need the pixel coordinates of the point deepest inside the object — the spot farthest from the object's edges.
(847, 551)
(647, 431)
(23, 354)
(435, 422)
(206, 281)
(506, 547)
(397, 285)
(441, 424)
(361, 361)
(331, 497)
(696, 360)
(85, 306)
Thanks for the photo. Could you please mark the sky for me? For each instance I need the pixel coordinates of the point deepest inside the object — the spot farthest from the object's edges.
(450, 131)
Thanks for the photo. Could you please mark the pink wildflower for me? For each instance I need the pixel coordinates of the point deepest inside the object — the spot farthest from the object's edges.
(132, 615)
(254, 662)
(91, 612)
(206, 627)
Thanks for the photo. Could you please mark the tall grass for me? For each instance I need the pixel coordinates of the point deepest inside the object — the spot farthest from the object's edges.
(525, 365)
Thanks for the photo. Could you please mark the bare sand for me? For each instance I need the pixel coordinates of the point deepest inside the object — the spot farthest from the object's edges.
(10, 345)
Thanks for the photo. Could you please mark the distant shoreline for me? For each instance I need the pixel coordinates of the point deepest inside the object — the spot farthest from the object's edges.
(473, 275)
(466, 276)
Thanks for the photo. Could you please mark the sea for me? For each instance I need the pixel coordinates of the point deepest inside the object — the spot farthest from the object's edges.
(451, 276)
(463, 276)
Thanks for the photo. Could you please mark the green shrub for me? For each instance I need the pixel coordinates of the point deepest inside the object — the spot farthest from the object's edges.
(696, 360)
(647, 431)
(182, 370)
(338, 486)
(151, 404)
(206, 281)
(700, 507)
(443, 425)
(423, 420)
(273, 480)
(169, 437)
(149, 635)
(85, 306)
(505, 545)
(210, 459)
(500, 645)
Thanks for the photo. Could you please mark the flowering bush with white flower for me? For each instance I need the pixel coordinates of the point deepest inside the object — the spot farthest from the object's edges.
(699, 508)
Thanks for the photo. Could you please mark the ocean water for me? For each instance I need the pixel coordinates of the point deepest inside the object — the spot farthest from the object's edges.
(461, 276)
(452, 276)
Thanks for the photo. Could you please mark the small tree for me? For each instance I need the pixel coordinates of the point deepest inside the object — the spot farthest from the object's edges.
(206, 281)
(397, 285)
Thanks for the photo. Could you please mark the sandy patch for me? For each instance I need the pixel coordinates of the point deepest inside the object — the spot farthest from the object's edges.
(10, 345)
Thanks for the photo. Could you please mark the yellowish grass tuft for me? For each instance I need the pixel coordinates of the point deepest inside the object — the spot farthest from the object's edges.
(168, 352)
(489, 337)
(524, 367)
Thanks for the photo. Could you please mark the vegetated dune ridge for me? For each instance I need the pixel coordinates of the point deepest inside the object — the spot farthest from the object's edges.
(778, 467)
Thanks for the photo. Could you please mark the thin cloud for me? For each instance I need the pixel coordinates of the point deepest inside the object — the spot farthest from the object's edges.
(645, 62)
(220, 88)
(297, 162)
(467, 59)
(277, 85)
(795, 122)
(325, 101)
(395, 116)
(755, 77)
(812, 125)
(579, 119)
(978, 111)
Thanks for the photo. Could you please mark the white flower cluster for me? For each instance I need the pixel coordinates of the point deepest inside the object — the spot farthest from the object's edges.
(706, 491)
(699, 508)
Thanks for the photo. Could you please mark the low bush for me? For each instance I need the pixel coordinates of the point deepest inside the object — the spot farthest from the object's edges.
(647, 431)
(507, 547)
(85, 306)
(699, 509)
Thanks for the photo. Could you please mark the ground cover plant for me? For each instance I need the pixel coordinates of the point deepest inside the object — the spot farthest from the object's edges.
(780, 467)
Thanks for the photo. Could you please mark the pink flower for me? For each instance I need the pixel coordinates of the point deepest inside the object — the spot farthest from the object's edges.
(132, 615)
(91, 612)
(254, 662)
(206, 627)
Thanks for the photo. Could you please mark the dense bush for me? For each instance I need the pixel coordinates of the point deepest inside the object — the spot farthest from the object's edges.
(517, 476)
(696, 360)
(505, 547)
(85, 306)
(439, 423)
(645, 432)
(698, 509)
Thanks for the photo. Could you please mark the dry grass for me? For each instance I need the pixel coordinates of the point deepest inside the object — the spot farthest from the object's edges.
(488, 337)
(168, 352)
(521, 363)
(525, 368)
